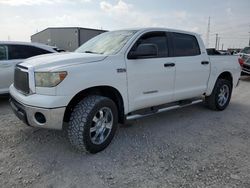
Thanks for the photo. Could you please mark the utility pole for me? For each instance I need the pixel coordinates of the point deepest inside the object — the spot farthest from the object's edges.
(216, 41)
(208, 33)
(249, 39)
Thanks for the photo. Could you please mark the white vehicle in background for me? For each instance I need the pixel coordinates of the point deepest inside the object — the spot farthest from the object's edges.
(12, 53)
(244, 60)
(119, 76)
(244, 51)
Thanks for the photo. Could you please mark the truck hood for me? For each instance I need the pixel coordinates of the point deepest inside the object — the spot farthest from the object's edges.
(53, 61)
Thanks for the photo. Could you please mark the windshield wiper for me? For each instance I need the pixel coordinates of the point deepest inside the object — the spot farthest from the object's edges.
(90, 52)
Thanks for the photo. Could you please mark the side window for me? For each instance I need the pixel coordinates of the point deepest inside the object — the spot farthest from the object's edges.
(24, 51)
(157, 38)
(37, 51)
(3, 53)
(17, 52)
(185, 45)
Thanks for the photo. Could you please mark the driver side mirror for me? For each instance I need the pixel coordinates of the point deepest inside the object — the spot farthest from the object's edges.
(144, 51)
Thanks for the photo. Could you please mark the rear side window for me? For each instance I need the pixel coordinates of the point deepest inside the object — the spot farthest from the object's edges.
(24, 51)
(3, 53)
(185, 45)
(157, 38)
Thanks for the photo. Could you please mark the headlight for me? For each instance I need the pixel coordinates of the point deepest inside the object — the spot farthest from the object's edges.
(49, 79)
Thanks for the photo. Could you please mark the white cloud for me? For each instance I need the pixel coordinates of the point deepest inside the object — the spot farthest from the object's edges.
(180, 15)
(37, 2)
(125, 15)
(229, 11)
(194, 29)
(120, 7)
(24, 2)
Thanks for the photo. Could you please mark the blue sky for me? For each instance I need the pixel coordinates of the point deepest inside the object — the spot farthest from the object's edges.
(229, 18)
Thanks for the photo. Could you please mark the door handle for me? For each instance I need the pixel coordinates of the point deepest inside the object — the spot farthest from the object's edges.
(169, 64)
(205, 62)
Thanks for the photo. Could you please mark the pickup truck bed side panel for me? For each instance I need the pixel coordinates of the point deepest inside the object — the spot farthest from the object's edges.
(220, 64)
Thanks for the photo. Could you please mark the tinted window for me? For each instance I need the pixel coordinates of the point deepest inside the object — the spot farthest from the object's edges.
(185, 45)
(23, 51)
(3, 53)
(157, 38)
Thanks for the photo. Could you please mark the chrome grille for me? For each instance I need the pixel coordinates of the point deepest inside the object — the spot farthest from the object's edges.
(21, 79)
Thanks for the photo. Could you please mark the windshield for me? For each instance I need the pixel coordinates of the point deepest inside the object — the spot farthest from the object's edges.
(108, 43)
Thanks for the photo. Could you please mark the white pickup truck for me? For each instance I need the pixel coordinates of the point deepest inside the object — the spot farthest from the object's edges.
(118, 76)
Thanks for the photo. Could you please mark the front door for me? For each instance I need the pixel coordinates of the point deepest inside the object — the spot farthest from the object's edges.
(151, 79)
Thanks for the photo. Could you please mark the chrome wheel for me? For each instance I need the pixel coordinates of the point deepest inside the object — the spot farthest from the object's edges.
(102, 124)
(223, 95)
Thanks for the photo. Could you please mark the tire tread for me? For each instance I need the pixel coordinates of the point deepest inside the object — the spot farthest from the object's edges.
(210, 101)
(78, 121)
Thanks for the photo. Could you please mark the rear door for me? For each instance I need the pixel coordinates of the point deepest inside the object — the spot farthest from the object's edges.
(192, 67)
(150, 81)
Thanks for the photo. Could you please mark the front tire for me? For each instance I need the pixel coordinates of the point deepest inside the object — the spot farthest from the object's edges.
(93, 124)
(221, 95)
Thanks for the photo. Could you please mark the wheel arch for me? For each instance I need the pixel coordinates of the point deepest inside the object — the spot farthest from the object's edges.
(227, 76)
(106, 91)
(212, 100)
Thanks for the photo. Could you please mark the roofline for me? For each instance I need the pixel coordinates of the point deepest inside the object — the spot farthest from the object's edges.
(169, 30)
(68, 28)
(22, 42)
(148, 29)
(35, 44)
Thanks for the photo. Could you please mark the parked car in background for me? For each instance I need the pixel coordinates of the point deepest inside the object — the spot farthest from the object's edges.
(212, 51)
(244, 51)
(12, 53)
(224, 52)
(244, 61)
(119, 76)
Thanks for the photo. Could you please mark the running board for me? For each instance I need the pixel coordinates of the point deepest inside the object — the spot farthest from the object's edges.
(138, 116)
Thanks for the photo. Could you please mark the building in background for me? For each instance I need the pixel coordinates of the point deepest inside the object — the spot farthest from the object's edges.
(66, 38)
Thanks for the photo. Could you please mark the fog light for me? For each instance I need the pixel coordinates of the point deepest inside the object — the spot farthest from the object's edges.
(40, 118)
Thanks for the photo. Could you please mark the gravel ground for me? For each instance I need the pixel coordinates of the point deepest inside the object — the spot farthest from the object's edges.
(188, 147)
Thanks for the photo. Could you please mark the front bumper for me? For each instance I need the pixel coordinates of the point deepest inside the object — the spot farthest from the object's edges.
(51, 118)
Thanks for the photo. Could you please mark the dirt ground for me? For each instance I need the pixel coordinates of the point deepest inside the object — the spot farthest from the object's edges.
(188, 147)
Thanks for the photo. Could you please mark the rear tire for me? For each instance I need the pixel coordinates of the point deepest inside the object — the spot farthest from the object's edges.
(93, 124)
(221, 95)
